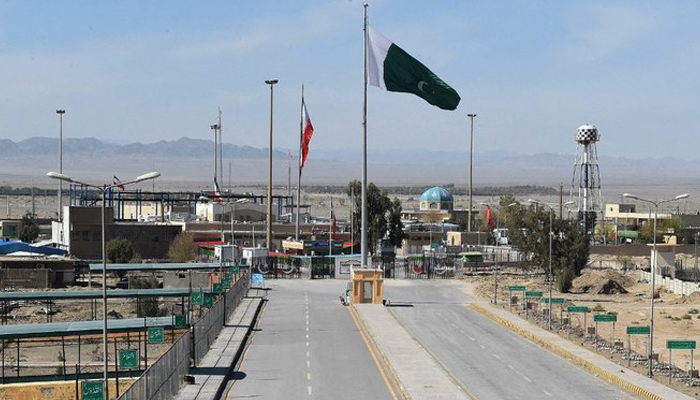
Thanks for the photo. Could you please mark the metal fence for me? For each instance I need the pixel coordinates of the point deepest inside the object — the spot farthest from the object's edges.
(207, 328)
(421, 267)
(165, 377)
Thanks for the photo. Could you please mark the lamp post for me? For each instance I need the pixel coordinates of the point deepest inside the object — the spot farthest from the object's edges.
(471, 143)
(60, 113)
(103, 189)
(550, 279)
(272, 83)
(653, 265)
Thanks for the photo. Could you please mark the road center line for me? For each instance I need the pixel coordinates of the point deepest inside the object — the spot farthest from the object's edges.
(308, 376)
(497, 356)
(308, 388)
(547, 393)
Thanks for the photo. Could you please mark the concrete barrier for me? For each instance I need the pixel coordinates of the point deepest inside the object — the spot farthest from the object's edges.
(676, 286)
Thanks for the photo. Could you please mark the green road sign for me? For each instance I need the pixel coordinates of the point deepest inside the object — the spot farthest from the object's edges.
(638, 330)
(155, 335)
(235, 270)
(180, 321)
(605, 318)
(128, 359)
(680, 344)
(555, 300)
(583, 309)
(227, 283)
(92, 390)
(197, 298)
(218, 288)
(208, 301)
(533, 294)
(229, 276)
(516, 288)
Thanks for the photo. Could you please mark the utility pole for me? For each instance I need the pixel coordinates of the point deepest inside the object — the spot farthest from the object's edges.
(471, 146)
(272, 83)
(60, 113)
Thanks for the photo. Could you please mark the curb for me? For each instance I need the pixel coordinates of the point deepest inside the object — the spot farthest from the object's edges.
(614, 379)
(385, 362)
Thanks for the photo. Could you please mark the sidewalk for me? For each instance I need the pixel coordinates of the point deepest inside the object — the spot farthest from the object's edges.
(614, 373)
(210, 376)
(420, 375)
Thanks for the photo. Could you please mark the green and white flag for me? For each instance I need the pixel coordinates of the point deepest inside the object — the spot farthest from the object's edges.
(392, 69)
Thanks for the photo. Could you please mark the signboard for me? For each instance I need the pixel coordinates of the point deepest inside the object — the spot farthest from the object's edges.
(605, 318)
(555, 300)
(197, 298)
(516, 288)
(180, 321)
(533, 294)
(208, 301)
(583, 309)
(92, 390)
(256, 280)
(227, 283)
(235, 270)
(638, 330)
(218, 288)
(680, 344)
(128, 359)
(155, 335)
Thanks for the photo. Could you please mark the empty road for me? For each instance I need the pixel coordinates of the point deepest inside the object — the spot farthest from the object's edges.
(490, 361)
(307, 346)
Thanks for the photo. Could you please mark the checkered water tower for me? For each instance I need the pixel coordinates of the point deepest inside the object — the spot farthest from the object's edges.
(585, 183)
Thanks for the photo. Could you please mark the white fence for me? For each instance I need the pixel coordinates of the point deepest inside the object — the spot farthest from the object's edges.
(676, 286)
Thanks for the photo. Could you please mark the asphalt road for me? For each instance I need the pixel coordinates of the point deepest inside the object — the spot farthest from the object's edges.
(489, 360)
(307, 346)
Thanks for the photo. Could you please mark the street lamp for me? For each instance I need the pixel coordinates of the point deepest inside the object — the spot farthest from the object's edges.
(233, 216)
(103, 189)
(653, 264)
(272, 83)
(471, 143)
(551, 275)
(60, 113)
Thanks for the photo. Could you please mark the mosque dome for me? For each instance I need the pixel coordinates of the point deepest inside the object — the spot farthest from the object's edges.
(436, 198)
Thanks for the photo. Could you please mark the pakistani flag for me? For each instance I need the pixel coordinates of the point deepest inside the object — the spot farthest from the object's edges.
(393, 69)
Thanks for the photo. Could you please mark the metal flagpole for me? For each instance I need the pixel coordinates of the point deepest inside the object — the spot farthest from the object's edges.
(301, 140)
(363, 234)
(352, 219)
(330, 230)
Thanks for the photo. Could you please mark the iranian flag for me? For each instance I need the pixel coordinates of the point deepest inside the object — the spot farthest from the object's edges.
(116, 182)
(392, 69)
(307, 131)
(217, 191)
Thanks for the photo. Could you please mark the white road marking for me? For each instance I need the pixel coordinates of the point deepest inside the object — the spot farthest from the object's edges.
(497, 357)
(307, 353)
(308, 375)
(524, 377)
(547, 393)
(308, 364)
(308, 388)
(307, 335)
(471, 338)
(307, 344)
(511, 367)
(482, 346)
(307, 327)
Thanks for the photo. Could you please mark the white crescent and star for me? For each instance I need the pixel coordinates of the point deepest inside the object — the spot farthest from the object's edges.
(420, 85)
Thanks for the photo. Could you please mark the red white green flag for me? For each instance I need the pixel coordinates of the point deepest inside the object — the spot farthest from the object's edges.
(307, 130)
(217, 191)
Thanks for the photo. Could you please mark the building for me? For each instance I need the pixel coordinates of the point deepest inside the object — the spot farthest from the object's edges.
(437, 206)
(81, 233)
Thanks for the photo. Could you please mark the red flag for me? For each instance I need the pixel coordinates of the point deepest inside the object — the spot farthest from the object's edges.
(118, 183)
(307, 131)
(334, 225)
(489, 218)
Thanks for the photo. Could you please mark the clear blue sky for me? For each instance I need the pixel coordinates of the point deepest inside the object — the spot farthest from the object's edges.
(533, 71)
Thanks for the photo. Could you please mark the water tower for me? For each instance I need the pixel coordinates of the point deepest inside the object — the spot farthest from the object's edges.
(585, 183)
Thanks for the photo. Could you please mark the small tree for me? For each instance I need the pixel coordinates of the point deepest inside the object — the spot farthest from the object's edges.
(183, 248)
(30, 229)
(120, 250)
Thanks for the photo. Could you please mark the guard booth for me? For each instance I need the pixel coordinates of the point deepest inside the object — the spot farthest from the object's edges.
(367, 286)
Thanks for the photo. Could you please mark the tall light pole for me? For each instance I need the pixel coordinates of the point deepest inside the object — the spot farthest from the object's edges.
(60, 113)
(471, 145)
(653, 265)
(272, 83)
(552, 211)
(103, 189)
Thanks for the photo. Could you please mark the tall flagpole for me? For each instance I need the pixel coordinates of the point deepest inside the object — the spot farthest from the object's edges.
(301, 140)
(363, 234)
(330, 230)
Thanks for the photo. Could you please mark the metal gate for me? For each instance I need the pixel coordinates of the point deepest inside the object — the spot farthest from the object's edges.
(278, 268)
(422, 267)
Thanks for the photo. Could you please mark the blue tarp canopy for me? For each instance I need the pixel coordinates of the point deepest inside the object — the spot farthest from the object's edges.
(8, 247)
